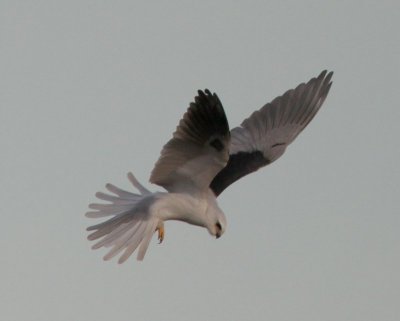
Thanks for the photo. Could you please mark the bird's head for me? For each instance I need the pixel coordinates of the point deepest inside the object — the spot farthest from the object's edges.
(217, 222)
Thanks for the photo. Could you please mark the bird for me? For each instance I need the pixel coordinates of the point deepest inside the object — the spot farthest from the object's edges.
(197, 164)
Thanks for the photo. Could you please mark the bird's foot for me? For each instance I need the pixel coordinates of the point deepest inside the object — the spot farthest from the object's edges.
(161, 233)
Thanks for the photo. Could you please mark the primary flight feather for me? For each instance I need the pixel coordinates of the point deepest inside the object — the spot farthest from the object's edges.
(200, 161)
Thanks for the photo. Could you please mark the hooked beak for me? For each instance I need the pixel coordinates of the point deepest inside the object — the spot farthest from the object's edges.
(218, 230)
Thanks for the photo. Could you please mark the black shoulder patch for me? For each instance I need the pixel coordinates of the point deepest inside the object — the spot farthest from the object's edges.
(217, 144)
(239, 165)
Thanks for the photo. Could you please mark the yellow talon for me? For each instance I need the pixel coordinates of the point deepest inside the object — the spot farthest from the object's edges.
(161, 233)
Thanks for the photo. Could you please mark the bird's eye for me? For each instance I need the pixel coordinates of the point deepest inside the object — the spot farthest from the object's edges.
(218, 225)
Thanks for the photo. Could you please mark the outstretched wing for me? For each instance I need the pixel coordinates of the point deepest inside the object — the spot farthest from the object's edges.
(198, 149)
(263, 137)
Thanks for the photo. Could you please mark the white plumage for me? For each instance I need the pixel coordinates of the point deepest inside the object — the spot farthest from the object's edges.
(198, 163)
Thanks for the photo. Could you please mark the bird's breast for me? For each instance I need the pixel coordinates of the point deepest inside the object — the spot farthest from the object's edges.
(182, 207)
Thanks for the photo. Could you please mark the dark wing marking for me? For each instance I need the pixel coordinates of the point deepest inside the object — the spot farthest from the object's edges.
(198, 149)
(263, 137)
(239, 165)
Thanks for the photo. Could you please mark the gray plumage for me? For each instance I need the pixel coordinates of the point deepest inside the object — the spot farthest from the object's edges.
(263, 137)
(202, 159)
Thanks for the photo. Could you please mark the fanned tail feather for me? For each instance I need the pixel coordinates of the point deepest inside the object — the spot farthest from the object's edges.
(131, 225)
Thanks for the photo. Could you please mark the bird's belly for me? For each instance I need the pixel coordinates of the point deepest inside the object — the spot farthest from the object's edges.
(182, 207)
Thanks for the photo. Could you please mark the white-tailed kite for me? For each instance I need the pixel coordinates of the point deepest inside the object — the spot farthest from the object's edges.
(198, 163)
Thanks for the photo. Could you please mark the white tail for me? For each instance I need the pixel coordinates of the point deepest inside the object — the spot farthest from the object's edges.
(131, 224)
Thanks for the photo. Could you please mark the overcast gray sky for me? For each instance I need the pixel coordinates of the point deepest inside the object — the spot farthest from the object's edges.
(93, 89)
